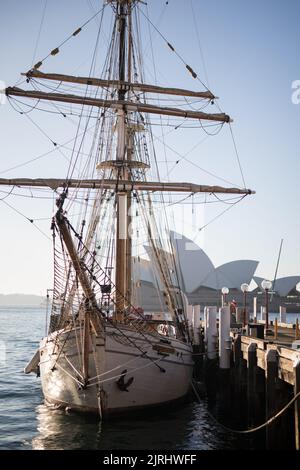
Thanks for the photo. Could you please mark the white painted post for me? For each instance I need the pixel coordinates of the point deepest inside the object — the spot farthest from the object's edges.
(210, 329)
(254, 308)
(224, 338)
(197, 315)
(263, 313)
(196, 323)
(190, 309)
(282, 314)
(189, 314)
(205, 321)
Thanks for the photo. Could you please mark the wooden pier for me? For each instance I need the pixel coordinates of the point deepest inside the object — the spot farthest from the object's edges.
(262, 378)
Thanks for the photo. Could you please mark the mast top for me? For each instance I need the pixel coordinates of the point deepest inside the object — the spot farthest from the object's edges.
(125, 2)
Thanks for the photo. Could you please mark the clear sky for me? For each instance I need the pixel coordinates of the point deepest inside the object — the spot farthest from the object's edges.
(251, 52)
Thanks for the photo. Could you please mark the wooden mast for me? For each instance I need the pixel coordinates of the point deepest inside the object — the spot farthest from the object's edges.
(122, 184)
(121, 196)
(130, 149)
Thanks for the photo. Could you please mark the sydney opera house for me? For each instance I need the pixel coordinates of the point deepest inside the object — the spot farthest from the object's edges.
(202, 282)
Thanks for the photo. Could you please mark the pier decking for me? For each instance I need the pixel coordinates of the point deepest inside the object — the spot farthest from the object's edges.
(261, 377)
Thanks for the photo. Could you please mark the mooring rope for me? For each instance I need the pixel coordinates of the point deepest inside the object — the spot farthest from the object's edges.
(257, 428)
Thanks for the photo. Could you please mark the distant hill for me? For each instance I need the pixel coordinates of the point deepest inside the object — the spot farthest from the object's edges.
(21, 299)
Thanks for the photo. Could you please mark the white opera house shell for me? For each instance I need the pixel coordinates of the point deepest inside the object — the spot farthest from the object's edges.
(199, 279)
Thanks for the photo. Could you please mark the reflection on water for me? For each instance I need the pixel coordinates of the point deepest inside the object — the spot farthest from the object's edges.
(25, 423)
(58, 430)
(187, 427)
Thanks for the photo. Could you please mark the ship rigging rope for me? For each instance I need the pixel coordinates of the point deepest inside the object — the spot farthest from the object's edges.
(257, 428)
(219, 127)
(68, 373)
(39, 32)
(162, 196)
(43, 154)
(184, 157)
(138, 331)
(98, 382)
(71, 170)
(120, 366)
(154, 362)
(223, 212)
(224, 201)
(7, 194)
(191, 71)
(163, 264)
(31, 120)
(73, 367)
(43, 132)
(237, 155)
(81, 199)
(25, 217)
(195, 19)
(194, 75)
(55, 51)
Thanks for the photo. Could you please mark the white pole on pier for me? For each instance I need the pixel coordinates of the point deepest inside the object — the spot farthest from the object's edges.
(190, 310)
(210, 331)
(282, 314)
(196, 323)
(224, 338)
(254, 308)
(263, 313)
(190, 318)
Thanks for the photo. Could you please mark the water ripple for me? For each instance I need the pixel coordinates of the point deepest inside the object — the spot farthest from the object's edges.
(26, 423)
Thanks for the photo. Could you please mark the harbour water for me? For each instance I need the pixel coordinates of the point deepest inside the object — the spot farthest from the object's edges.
(26, 423)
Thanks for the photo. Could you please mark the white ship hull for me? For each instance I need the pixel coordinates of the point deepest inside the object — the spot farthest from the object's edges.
(159, 377)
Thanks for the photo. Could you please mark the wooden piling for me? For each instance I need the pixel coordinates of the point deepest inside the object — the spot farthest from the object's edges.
(224, 396)
(271, 402)
(260, 410)
(201, 340)
(297, 329)
(262, 378)
(285, 424)
(237, 358)
(251, 382)
(297, 404)
(237, 350)
(276, 329)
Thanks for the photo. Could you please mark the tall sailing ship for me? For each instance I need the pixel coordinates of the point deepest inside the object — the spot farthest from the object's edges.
(104, 351)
